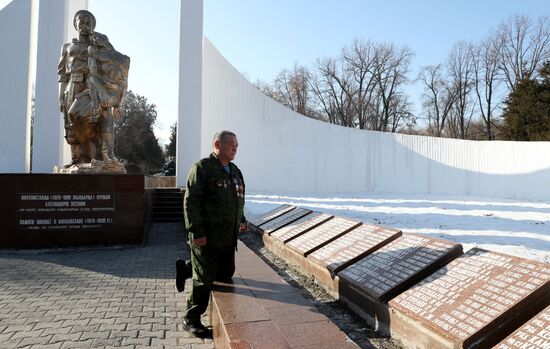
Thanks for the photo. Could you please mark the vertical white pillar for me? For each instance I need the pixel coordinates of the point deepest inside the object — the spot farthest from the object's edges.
(188, 146)
(16, 79)
(55, 27)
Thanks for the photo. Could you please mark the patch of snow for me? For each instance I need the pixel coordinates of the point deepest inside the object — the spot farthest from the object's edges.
(518, 228)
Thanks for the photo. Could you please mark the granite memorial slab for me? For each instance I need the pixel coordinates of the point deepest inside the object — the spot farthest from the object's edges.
(266, 217)
(384, 273)
(325, 262)
(322, 234)
(534, 334)
(276, 240)
(301, 226)
(283, 220)
(368, 284)
(353, 246)
(473, 302)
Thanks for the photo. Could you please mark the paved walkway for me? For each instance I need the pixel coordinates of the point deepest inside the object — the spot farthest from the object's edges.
(113, 297)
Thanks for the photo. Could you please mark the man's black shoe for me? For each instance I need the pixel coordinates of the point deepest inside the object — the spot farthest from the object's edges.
(197, 329)
(183, 272)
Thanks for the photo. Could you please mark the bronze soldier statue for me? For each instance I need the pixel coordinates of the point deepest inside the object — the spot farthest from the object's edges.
(93, 78)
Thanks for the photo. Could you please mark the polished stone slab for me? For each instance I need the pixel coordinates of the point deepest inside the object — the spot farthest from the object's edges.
(266, 217)
(284, 220)
(534, 334)
(475, 300)
(353, 246)
(367, 285)
(399, 264)
(301, 226)
(260, 310)
(322, 234)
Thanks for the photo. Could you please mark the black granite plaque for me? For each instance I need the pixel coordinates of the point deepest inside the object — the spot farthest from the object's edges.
(59, 210)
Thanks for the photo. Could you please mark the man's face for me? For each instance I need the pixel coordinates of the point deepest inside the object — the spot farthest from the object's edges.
(227, 148)
(84, 25)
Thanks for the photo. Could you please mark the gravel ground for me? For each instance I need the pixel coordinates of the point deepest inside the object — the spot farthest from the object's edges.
(345, 319)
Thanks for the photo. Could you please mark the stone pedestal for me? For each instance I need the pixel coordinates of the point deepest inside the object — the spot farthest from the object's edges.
(94, 167)
(58, 210)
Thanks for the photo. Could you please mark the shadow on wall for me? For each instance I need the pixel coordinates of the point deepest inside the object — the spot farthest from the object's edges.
(414, 170)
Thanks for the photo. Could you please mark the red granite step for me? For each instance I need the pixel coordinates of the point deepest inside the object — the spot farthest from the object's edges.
(260, 310)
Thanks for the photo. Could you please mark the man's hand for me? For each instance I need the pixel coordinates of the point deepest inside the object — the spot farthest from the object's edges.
(200, 241)
(243, 228)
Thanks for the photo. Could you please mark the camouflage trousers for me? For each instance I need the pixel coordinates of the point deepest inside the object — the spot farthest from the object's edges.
(208, 265)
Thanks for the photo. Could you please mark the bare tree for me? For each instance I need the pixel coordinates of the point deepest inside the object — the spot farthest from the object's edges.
(438, 98)
(332, 89)
(361, 88)
(461, 74)
(292, 87)
(359, 60)
(525, 46)
(267, 89)
(390, 74)
(486, 69)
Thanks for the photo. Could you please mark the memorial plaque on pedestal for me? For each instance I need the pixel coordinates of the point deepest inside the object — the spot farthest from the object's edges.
(477, 299)
(534, 334)
(353, 246)
(398, 265)
(323, 234)
(46, 210)
(266, 217)
(283, 220)
(301, 226)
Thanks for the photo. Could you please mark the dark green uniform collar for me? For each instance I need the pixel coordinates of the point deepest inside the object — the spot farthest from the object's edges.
(213, 156)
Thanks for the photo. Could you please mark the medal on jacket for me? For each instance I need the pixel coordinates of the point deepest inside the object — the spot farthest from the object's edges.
(239, 189)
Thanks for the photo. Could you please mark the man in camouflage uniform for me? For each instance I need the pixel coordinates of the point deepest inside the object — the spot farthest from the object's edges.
(213, 208)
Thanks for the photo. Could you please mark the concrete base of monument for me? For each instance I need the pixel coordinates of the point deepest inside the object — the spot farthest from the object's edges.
(93, 167)
(60, 210)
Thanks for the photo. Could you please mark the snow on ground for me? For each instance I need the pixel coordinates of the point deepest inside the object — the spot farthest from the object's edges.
(519, 228)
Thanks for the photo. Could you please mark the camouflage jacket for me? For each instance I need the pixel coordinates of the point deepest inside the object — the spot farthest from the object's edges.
(214, 202)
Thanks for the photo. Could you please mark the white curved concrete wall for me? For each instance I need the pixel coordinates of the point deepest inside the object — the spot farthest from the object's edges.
(284, 152)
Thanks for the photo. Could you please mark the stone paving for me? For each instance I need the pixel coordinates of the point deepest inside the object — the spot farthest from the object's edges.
(121, 297)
